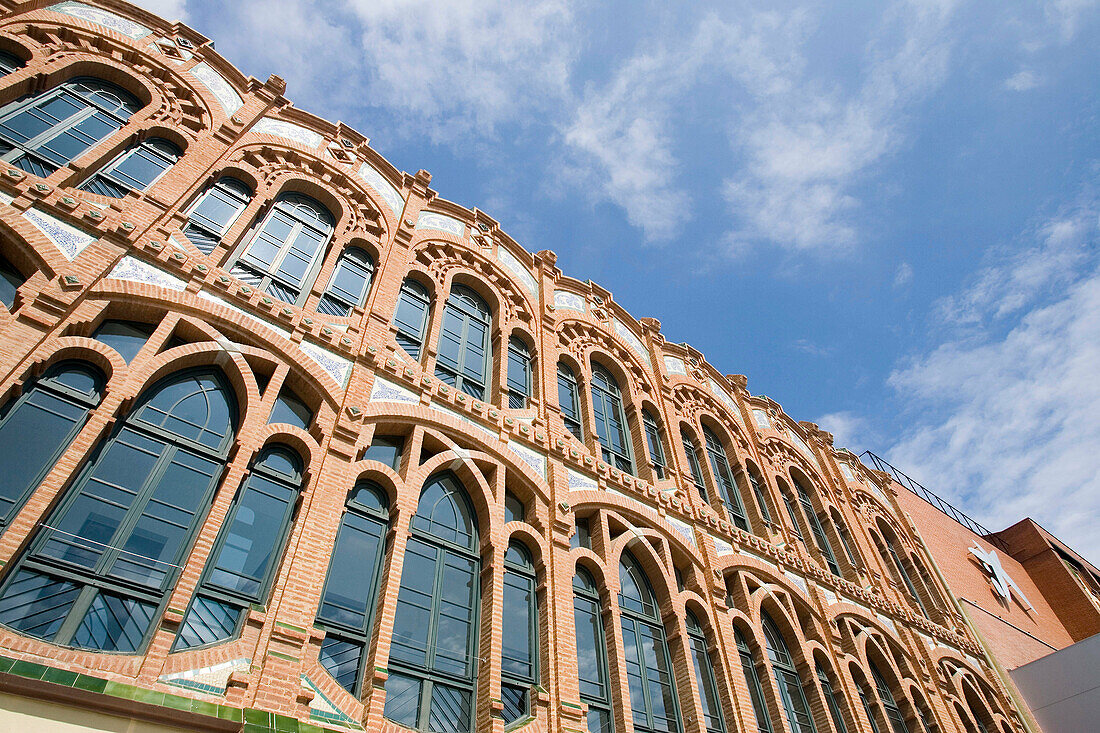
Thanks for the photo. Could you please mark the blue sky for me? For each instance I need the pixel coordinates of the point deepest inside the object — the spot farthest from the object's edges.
(884, 213)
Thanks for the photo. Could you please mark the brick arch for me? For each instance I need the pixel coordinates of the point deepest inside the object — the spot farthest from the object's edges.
(63, 348)
(448, 262)
(583, 339)
(627, 511)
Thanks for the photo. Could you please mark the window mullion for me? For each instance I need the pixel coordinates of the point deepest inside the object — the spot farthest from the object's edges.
(76, 614)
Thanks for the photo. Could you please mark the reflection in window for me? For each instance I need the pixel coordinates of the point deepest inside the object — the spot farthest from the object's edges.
(9, 62)
(136, 169)
(591, 653)
(349, 284)
(656, 446)
(519, 634)
(704, 676)
(569, 401)
(99, 569)
(10, 280)
(791, 694)
(351, 586)
(519, 374)
(290, 409)
(125, 337)
(514, 511)
(411, 317)
(889, 705)
(723, 476)
(820, 539)
(758, 491)
(463, 359)
(611, 428)
(386, 449)
(756, 692)
(832, 700)
(215, 212)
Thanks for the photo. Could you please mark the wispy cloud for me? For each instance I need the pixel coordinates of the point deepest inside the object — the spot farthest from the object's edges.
(1022, 81)
(850, 429)
(903, 275)
(167, 9)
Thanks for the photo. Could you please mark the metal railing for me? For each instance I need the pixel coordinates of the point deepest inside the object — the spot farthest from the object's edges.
(915, 486)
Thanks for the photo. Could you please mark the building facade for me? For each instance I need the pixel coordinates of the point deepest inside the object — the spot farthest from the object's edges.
(289, 442)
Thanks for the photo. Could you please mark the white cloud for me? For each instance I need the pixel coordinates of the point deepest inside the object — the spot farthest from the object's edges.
(167, 9)
(1066, 15)
(904, 275)
(850, 430)
(1022, 81)
(1006, 412)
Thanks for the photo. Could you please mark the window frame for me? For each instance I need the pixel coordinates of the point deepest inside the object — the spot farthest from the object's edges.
(520, 386)
(752, 681)
(524, 572)
(414, 293)
(111, 184)
(610, 405)
(571, 414)
(722, 474)
(787, 679)
(465, 304)
(699, 650)
(228, 190)
(588, 595)
(816, 528)
(657, 461)
(356, 260)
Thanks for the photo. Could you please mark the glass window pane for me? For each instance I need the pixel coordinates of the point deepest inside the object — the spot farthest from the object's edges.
(125, 337)
(291, 410)
(402, 700)
(36, 604)
(208, 621)
(353, 570)
(256, 533)
(341, 658)
(114, 624)
(386, 450)
(450, 710)
(516, 639)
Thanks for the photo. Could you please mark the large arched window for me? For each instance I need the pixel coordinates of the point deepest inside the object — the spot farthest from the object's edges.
(351, 588)
(349, 284)
(10, 281)
(519, 634)
(569, 400)
(816, 528)
(756, 692)
(591, 653)
(723, 476)
(832, 700)
(433, 652)
(889, 705)
(463, 359)
(791, 694)
(37, 427)
(691, 449)
(611, 428)
(656, 445)
(283, 256)
(653, 704)
(45, 131)
(242, 564)
(519, 373)
(704, 676)
(757, 485)
(411, 317)
(135, 169)
(103, 563)
(216, 210)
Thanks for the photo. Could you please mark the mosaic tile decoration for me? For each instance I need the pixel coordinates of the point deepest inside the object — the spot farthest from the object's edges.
(675, 365)
(440, 222)
(761, 418)
(724, 397)
(102, 17)
(830, 597)
(321, 708)
(289, 131)
(887, 622)
(221, 89)
(464, 418)
(5, 198)
(798, 580)
(211, 680)
(683, 528)
(70, 240)
(534, 459)
(800, 444)
(135, 270)
(517, 268)
(635, 343)
(761, 558)
(846, 471)
(337, 366)
(384, 188)
(386, 391)
(569, 301)
(579, 482)
(723, 547)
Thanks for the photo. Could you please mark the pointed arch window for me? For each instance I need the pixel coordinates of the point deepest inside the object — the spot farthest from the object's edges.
(846, 543)
(135, 169)
(37, 426)
(832, 700)
(791, 694)
(653, 704)
(9, 62)
(283, 256)
(591, 653)
(350, 597)
(723, 476)
(10, 281)
(691, 448)
(758, 491)
(704, 676)
(463, 359)
(792, 513)
(411, 317)
(45, 131)
(125, 337)
(569, 400)
(903, 573)
(246, 554)
(215, 212)
(889, 705)
(611, 428)
(101, 566)
(349, 285)
(656, 446)
(519, 373)
(520, 633)
(756, 692)
(433, 653)
(820, 539)
(290, 409)
(865, 700)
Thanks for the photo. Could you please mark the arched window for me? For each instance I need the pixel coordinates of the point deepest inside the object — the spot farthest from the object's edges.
(704, 676)
(889, 706)
(656, 445)
(101, 566)
(519, 634)
(283, 256)
(792, 513)
(832, 700)
(37, 427)
(591, 653)
(290, 409)
(865, 700)
(611, 428)
(923, 712)
(411, 317)
(820, 539)
(902, 573)
(135, 169)
(514, 510)
(791, 694)
(351, 587)
(433, 653)
(463, 360)
(846, 542)
(9, 62)
(569, 400)
(44, 131)
(653, 704)
(723, 476)
(215, 211)
(246, 554)
(125, 337)
(758, 491)
(756, 692)
(10, 281)
(691, 448)
(519, 374)
(349, 284)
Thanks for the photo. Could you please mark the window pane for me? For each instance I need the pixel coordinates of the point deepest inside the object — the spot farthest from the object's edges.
(514, 699)
(414, 604)
(291, 410)
(36, 604)
(352, 573)
(255, 535)
(208, 621)
(142, 166)
(217, 210)
(341, 658)
(114, 624)
(590, 651)
(125, 337)
(10, 280)
(402, 700)
(386, 450)
(450, 710)
(516, 654)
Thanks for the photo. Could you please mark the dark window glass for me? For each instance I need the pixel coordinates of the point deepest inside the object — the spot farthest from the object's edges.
(463, 359)
(581, 537)
(756, 692)
(411, 317)
(105, 560)
(9, 62)
(655, 445)
(889, 705)
(796, 525)
(10, 280)
(832, 700)
(125, 337)
(846, 543)
(46, 130)
(569, 400)
(758, 492)
(215, 211)
(386, 449)
(903, 574)
(514, 511)
(791, 694)
(519, 374)
(820, 539)
(136, 169)
(37, 426)
(611, 428)
(283, 256)
(591, 652)
(290, 409)
(704, 677)
(519, 632)
(866, 701)
(723, 476)
(691, 449)
(349, 284)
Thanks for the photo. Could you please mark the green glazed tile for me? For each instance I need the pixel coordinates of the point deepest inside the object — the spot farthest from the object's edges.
(149, 697)
(32, 670)
(60, 676)
(202, 707)
(284, 724)
(257, 717)
(91, 684)
(226, 712)
(309, 728)
(5, 664)
(249, 728)
(176, 702)
(119, 689)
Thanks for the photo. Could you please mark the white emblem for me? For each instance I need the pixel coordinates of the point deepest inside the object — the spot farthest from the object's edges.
(1002, 583)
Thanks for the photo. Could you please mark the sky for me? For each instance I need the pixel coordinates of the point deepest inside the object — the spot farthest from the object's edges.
(885, 213)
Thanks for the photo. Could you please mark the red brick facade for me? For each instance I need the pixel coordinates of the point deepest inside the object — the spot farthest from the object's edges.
(84, 258)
